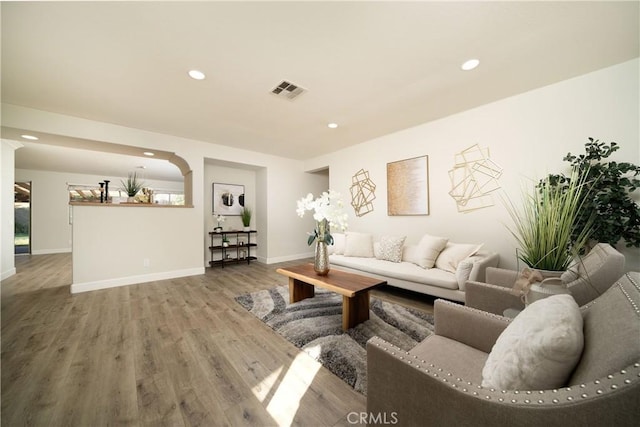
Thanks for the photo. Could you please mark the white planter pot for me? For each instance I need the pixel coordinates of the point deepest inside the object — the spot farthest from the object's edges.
(544, 289)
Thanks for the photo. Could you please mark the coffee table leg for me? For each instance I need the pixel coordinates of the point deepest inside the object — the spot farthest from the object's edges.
(355, 310)
(299, 290)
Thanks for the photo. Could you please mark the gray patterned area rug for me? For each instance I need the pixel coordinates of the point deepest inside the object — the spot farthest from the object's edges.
(315, 326)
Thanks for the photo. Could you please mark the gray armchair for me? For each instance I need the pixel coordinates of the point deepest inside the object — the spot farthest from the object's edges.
(590, 277)
(437, 382)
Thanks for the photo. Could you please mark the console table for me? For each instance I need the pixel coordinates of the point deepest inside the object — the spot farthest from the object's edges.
(237, 249)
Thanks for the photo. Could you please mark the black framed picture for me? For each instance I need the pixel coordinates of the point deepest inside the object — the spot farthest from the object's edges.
(228, 199)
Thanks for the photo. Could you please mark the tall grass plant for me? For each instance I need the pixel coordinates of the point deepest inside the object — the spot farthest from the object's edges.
(545, 222)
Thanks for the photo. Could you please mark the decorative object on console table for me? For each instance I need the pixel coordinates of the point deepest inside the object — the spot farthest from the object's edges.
(228, 199)
(219, 220)
(328, 212)
(231, 248)
(408, 187)
(245, 215)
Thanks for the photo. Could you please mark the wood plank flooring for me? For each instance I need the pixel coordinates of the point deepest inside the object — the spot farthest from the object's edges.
(176, 352)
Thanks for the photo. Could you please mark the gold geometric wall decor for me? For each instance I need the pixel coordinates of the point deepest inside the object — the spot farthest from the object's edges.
(362, 193)
(473, 178)
(408, 187)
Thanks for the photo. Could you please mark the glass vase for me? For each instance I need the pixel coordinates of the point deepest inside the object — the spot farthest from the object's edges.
(321, 260)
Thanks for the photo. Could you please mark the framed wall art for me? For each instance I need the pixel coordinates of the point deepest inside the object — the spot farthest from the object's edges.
(228, 199)
(408, 187)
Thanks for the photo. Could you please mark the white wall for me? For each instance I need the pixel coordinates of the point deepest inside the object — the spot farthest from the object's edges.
(116, 245)
(528, 135)
(7, 215)
(50, 228)
(288, 232)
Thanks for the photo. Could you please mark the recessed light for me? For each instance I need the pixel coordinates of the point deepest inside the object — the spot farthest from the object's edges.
(332, 125)
(30, 137)
(470, 64)
(149, 153)
(196, 75)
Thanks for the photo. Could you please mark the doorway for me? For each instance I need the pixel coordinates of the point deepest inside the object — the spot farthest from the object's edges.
(22, 212)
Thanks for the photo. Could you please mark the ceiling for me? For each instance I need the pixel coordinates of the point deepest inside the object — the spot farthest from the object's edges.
(371, 67)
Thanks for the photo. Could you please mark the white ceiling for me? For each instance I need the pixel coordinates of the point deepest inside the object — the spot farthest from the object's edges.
(372, 67)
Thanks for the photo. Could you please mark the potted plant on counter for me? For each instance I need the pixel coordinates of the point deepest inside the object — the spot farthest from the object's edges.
(132, 186)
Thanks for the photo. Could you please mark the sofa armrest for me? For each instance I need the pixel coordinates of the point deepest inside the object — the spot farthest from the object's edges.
(492, 298)
(475, 328)
(403, 391)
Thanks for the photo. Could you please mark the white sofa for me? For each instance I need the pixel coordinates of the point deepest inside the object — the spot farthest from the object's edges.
(434, 266)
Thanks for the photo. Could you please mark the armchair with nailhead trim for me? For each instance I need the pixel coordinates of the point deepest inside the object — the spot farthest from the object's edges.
(437, 383)
(590, 277)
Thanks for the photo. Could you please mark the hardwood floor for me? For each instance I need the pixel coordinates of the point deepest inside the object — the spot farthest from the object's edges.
(173, 352)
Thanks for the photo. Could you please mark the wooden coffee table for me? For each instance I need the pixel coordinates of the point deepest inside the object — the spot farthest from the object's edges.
(354, 289)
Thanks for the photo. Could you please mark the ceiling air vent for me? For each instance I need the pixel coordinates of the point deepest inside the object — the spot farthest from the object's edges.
(288, 90)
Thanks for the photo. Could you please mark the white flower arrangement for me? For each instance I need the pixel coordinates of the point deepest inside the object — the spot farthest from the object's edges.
(328, 213)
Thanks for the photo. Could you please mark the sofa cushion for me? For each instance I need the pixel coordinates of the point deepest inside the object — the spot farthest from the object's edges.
(452, 356)
(398, 270)
(338, 244)
(539, 349)
(390, 248)
(358, 244)
(453, 253)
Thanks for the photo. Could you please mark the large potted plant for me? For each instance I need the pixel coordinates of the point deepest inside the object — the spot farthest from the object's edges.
(611, 185)
(547, 230)
(132, 186)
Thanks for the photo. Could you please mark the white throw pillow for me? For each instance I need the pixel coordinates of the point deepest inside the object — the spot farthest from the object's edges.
(358, 244)
(411, 253)
(453, 253)
(539, 349)
(338, 244)
(463, 271)
(391, 248)
(376, 250)
(425, 253)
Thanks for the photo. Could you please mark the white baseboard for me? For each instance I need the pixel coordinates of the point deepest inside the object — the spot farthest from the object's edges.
(287, 258)
(51, 251)
(8, 273)
(133, 280)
